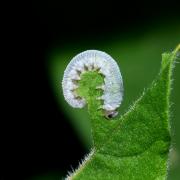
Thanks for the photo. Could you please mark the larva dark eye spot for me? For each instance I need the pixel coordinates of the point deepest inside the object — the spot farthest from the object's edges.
(110, 116)
(78, 71)
(85, 67)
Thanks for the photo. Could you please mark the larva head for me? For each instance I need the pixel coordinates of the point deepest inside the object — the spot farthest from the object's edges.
(111, 114)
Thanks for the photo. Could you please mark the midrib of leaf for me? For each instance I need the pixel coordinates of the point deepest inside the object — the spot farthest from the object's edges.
(157, 145)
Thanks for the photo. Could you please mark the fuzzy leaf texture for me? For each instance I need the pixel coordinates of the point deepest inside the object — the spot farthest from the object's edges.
(134, 146)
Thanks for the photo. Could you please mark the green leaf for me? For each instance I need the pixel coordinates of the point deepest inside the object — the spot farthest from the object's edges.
(136, 144)
(136, 55)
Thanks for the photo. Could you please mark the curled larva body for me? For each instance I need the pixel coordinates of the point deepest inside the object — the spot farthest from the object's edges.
(113, 85)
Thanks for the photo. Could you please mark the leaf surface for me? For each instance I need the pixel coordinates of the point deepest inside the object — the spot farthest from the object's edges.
(135, 145)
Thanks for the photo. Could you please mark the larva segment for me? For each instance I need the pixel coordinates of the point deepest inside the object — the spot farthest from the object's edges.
(91, 60)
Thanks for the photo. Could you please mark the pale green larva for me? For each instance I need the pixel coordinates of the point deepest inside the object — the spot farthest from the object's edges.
(113, 85)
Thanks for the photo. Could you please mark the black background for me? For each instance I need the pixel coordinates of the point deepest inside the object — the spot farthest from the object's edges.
(36, 135)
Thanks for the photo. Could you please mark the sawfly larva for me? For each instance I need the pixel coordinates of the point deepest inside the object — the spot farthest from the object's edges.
(91, 60)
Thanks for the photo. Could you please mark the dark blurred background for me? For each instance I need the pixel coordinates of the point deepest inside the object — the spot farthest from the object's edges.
(39, 137)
